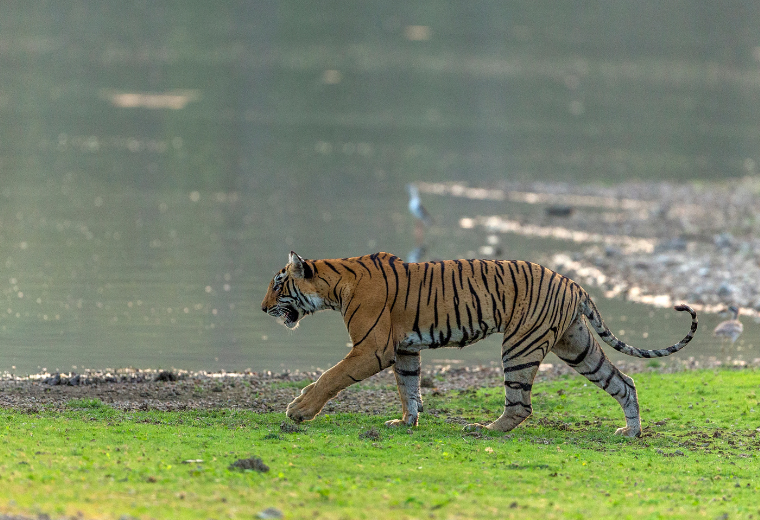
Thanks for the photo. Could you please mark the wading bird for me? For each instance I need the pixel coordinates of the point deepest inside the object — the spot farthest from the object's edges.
(423, 218)
(415, 206)
(730, 329)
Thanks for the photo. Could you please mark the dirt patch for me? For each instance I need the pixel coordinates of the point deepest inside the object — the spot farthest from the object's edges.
(253, 463)
(371, 434)
(289, 427)
(738, 443)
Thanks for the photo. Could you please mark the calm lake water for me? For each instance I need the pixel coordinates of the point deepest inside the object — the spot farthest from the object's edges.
(158, 162)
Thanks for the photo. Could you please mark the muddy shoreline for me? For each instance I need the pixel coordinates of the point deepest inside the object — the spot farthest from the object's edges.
(178, 390)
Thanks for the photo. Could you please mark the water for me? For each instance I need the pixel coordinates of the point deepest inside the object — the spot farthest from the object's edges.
(158, 163)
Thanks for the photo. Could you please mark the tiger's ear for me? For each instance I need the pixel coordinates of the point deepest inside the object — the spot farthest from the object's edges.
(298, 267)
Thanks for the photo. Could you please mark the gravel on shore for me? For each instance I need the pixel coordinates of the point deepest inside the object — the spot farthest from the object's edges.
(705, 241)
(657, 243)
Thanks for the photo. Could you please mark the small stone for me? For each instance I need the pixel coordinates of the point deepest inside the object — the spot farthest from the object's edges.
(166, 375)
(725, 290)
(723, 240)
(559, 210)
(270, 512)
(673, 244)
(53, 380)
(427, 382)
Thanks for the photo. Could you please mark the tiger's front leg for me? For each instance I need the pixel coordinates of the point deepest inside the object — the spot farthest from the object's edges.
(359, 364)
(407, 370)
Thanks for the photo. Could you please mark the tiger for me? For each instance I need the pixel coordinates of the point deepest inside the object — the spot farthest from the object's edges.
(393, 310)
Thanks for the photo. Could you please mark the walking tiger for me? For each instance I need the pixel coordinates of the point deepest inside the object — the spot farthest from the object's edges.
(393, 310)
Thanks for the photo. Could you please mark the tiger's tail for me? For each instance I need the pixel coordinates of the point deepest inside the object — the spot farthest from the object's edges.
(595, 318)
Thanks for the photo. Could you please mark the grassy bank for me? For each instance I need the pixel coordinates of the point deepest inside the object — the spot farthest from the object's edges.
(698, 457)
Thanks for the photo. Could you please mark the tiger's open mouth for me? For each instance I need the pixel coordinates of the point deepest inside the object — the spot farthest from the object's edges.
(288, 316)
(291, 318)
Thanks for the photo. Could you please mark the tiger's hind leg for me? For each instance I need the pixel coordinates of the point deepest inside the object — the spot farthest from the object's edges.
(519, 373)
(579, 349)
(407, 370)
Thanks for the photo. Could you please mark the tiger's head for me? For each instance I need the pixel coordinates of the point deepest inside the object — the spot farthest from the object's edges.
(292, 293)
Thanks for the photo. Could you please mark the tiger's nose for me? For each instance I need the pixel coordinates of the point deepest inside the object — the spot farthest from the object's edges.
(264, 308)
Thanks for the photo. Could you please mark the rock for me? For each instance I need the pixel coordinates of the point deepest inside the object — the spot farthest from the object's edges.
(723, 240)
(725, 290)
(166, 375)
(673, 244)
(427, 382)
(270, 512)
(53, 380)
(559, 210)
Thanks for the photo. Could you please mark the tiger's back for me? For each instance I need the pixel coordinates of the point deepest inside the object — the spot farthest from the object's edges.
(459, 302)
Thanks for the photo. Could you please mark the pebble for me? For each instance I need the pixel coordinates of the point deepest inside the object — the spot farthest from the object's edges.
(270, 512)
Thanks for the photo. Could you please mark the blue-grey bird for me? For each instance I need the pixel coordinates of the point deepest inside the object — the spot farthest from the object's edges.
(415, 206)
(730, 329)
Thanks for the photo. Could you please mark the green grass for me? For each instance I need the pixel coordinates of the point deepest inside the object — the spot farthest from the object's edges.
(698, 458)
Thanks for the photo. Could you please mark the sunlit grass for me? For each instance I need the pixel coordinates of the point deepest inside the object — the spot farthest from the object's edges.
(698, 458)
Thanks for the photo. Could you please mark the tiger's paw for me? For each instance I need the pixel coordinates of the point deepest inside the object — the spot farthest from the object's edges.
(628, 432)
(401, 422)
(299, 414)
(301, 409)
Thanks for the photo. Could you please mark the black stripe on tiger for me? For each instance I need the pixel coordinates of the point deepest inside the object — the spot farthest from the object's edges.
(407, 373)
